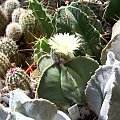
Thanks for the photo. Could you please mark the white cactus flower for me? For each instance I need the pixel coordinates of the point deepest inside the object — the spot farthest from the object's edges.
(64, 43)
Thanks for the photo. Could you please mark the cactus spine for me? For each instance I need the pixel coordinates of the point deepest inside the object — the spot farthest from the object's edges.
(14, 31)
(9, 48)
(4, 64)
(28, 22)
(16, 14)
(3, 21)
(10, 5)
(17, 78)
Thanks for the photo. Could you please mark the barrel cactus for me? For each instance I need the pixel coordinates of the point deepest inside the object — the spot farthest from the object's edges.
(14, 31)
(9, 48)
(3, 21)
(10, 5)
(4, 64)
(17, 78)
(16, 14)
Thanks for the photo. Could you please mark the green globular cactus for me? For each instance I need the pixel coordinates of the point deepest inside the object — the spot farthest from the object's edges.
(29, 25)
(14, 31)
(10, 5)
(3, 21)
(16, 14)
(4, 65)
(10, 49)
(27, 20)
(17, 78)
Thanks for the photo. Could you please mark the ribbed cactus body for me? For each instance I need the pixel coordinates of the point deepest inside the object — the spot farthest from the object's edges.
(4, 64)
(9, 48)
(16, 14)
(14, 31)
(17, 78)
(10, 5)
(3, 21)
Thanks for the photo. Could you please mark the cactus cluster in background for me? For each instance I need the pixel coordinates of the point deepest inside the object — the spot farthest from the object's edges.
(66, 45)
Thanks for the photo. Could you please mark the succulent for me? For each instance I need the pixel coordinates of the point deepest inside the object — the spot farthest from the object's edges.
(29, 25)
(10, 5)
(28, 22)
(16, 14)
(9, 48)
(17, 78)
(14, 31)
(3, 21)
(4, 64)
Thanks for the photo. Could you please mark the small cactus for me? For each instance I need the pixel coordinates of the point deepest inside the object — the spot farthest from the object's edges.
(3, 21)
(14, 31)
(29, 25)
(17, 78)
(27, 20)
(9, 48)
(10, 5)
(4, 65)
(16, 14)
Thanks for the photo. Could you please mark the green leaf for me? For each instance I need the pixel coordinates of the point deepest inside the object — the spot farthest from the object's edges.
(42, 17)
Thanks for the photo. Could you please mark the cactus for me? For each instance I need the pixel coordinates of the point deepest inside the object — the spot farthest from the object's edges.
(14, 31)
(112, 12)
(16, 14)
(10, 49)
(2, 1)
(44, 21)
(17, 78)
(3, 21)
(4, 65)
(27, 20)
(10, 5)
(102, 91)
(29, 25)
(67, 83)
